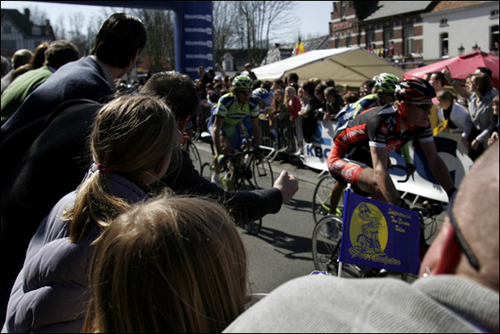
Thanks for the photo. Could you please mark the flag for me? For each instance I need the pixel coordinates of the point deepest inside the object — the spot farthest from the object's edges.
(379, 235)
(299, 48)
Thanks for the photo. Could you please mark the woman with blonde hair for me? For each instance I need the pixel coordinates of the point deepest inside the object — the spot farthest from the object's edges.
(173, 265)
(131, 144)
(280, 112)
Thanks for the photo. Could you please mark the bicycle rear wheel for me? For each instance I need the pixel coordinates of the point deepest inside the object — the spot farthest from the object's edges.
(262, 172)
(321, 198)
(194, 154)
(326, 239)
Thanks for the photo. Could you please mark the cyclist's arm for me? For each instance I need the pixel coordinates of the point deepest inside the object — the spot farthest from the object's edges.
(437, 165)
(256, 131)
(380, 159)
(218, 122)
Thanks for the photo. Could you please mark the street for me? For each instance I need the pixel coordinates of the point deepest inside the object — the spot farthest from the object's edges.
(282, 249)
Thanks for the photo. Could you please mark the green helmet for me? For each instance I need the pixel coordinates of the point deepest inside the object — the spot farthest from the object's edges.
(242, 82)
(386, 83)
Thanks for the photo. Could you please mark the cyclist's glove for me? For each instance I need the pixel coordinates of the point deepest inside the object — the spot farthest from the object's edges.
(402, 204)
(221, 159)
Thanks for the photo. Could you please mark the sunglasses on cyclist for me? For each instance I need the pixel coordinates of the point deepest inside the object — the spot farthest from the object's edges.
(423, 105)
(464, 246)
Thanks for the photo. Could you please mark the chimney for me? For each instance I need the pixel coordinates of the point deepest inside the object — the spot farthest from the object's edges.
(27, 13)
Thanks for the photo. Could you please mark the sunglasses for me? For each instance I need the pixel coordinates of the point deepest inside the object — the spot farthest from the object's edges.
(423, 105)
(464, 246)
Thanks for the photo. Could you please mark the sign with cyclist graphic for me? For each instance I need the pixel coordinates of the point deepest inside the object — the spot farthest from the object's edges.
(379, 235)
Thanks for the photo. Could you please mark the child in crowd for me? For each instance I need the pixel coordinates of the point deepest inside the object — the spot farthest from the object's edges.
(131, 145)
(173, 265)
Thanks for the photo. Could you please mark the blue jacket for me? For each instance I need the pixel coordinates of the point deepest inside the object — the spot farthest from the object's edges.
(51, 291)
(81, 79)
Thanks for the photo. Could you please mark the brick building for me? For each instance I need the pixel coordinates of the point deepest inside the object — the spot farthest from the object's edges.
(395, 30)
(390, 29)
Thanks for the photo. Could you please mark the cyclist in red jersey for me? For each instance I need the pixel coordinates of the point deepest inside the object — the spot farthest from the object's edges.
(360, 151)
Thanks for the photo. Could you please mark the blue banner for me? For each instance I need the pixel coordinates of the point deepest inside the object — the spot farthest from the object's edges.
(379, 235)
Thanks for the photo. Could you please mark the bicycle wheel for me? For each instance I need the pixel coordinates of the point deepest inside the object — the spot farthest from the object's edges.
(321, 198)
(326, 239)
(194, 154)
(206, 170)
(262, 172)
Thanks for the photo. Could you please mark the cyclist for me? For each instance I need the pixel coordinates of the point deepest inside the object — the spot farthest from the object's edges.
(385, 85)
(360, 151)
(230, 111)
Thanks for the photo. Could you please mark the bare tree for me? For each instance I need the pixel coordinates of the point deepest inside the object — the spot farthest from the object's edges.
(224, 22)
(37, 16)
(59, 27)
(160, 46)
(251, 24)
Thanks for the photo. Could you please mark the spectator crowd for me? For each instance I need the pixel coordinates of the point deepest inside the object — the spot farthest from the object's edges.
(106, 226)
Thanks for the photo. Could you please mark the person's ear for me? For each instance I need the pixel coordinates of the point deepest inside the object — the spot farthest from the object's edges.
(444, 254)
(182, 123)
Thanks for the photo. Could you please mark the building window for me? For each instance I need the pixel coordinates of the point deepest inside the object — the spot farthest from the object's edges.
(494, 13)
(444, 44)
(370, 39)
(337, 42)
(388, 36)
(7, 29)
(444, 23)
(494, 38)
(35, 30)
(408, 40)
(348, 40)
(342, 9)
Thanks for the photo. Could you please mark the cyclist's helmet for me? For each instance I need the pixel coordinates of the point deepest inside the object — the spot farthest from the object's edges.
(414, 90)
(261, 95)
(242, 82)
(386, 83)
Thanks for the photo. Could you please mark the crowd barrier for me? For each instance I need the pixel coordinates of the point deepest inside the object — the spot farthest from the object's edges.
(449, 146)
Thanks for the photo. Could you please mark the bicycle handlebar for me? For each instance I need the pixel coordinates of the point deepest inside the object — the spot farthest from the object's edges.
(407, 175)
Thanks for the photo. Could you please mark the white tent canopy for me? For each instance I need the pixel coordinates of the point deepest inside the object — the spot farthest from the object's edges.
(347, 66)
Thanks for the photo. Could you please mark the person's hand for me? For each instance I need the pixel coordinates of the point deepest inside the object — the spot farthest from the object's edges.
(287, 184)
(475, 145)
(493, 138)
(466, 144)
(410, 169)
(447, 74)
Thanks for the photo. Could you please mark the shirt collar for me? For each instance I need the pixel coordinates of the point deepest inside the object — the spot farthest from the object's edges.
(105, 70)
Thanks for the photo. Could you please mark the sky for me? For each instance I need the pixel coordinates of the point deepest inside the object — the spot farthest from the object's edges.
(312, 16)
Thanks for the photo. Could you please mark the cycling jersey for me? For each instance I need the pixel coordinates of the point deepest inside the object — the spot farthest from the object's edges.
(365, 103)
(229, 109)
(376, 127)
(233, 113)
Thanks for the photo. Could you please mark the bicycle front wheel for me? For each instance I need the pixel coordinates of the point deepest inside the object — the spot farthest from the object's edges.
(262, 172)
(321, 198)
(326, 239)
